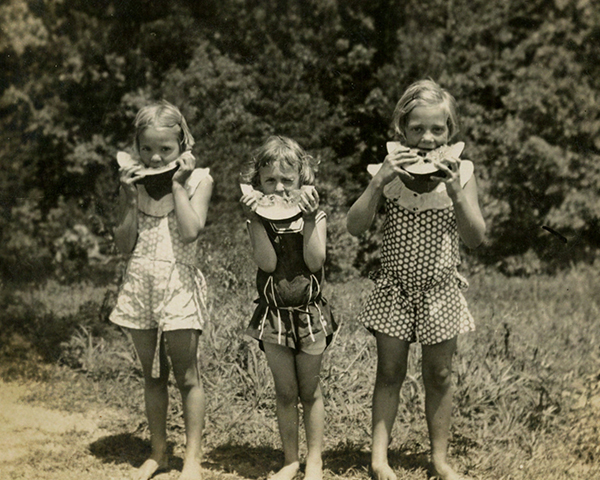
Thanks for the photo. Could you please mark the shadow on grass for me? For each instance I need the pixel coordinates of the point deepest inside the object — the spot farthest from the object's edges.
(348, 459)
(345, 460)
(245, 460)
(128, 448)
(409, 460)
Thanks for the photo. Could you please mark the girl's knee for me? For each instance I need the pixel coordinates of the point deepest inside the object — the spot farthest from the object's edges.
(188, 379)
(437, 363)
(392, 360)
(438, 377)
(390, 374)
(310, 396)
(154, 384)
(287, 395)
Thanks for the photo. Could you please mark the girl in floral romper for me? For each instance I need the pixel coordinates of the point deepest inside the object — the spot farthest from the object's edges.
(417, 295)
(161, 300)
(292, 321)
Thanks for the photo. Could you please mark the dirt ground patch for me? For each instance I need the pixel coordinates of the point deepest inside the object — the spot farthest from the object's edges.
(25, 427)
(41, 443)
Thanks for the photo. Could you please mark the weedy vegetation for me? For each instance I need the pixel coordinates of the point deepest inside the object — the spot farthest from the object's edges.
(527, 398)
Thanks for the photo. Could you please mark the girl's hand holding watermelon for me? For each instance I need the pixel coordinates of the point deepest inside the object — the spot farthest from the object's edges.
(309, 202)
(249, 201)
(449, 171)
(128, 175)
(394, 164)
(187, 164)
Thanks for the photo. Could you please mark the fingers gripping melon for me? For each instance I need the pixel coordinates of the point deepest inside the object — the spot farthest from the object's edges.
(126, 161)
(275, 207)
(156, 180)
(425, 165)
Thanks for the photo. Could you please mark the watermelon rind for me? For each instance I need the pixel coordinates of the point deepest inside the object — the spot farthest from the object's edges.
(394, 188)
(246, 188)
(391, 147)
(421, 167)
(146, 172)
(425, 165)
(126, 161)
(275, 207)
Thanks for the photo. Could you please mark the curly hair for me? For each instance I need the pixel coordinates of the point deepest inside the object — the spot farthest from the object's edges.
(285, 151)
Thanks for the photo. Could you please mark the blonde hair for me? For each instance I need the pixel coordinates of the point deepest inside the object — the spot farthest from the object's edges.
(283, 150)
(163, 115)
(425, 93)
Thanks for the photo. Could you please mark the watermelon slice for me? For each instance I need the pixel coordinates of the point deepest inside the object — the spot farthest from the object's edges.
(275, 207)
(425, 165)
(157, 181)
(164, 173)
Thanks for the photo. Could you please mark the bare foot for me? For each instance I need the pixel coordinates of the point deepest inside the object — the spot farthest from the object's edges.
(150, 467)
(288, 472)
(443, 471)
(383, 472)
(314, 470)
(192, 470)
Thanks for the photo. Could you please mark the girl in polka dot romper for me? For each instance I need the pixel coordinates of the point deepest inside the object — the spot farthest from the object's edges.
(161, 300)
(417, 295)
(292, 321)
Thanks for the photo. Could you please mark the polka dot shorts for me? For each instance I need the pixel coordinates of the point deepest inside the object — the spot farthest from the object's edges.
(418, 292)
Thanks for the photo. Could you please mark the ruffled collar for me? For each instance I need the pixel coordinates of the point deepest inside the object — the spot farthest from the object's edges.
(436, 199)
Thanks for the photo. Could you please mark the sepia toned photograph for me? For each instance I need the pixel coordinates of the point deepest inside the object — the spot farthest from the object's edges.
(299, 240)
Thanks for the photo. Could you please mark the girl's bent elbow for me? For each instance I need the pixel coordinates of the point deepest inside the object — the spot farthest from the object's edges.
(476, 242)
(187, 240)
(268, 267)
(354, 229)
(123, 248)
(315, 267)
(124, 244)
(191, 238)
(474, 245)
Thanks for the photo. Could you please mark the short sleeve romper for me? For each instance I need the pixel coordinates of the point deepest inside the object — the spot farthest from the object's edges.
(291, 308)
(162, 286)
(418, 290)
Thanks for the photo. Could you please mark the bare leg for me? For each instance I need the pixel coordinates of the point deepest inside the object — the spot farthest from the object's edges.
(182, 346)
(282, 364)
(156, 398)
(308, 368)
(392, 355)
(437, 373)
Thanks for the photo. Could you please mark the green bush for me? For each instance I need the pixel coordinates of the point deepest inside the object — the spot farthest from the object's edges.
(325, 73)
(36, 323)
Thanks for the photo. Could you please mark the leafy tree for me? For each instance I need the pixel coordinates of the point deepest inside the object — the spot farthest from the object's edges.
(73, 73)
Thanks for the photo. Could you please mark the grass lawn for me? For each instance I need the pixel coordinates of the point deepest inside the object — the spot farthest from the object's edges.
(527, 399)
